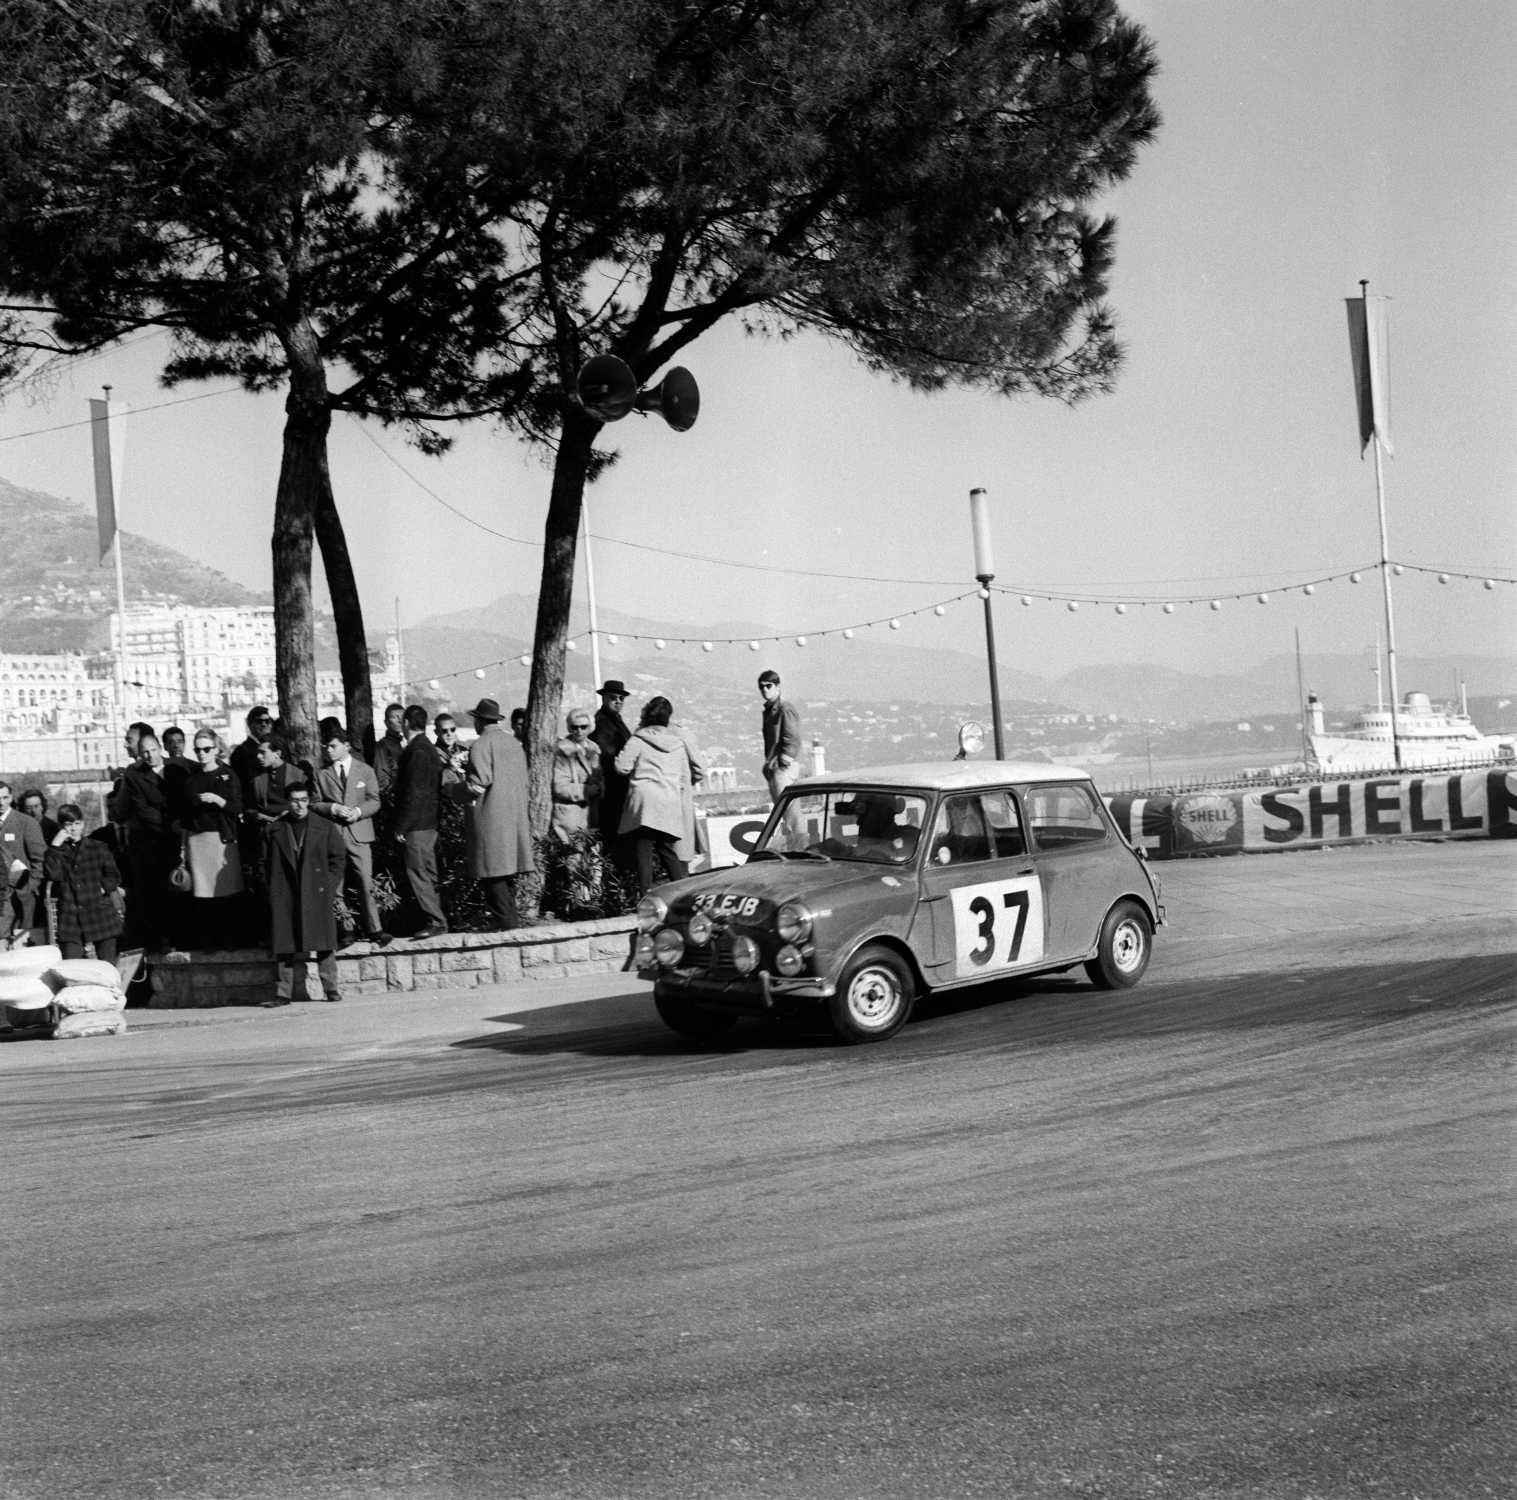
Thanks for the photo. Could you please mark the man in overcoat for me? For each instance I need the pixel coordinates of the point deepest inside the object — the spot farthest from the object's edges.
(498, 830)
(86, 888)
(305, 865)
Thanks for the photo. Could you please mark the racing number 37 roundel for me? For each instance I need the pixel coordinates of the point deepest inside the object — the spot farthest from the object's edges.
(997, 925)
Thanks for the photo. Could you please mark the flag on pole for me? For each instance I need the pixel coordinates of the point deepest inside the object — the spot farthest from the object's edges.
(108, 434)
(1369, 347)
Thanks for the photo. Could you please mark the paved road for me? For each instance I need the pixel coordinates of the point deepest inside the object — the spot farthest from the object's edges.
(1246, 1231)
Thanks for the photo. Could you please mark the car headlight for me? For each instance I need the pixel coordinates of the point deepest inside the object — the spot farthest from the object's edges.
(651, 910)
(745, 955)
(668, 947)
(699, 929)
(794, 921)
(789, 961)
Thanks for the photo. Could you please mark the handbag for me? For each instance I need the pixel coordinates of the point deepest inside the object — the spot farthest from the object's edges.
(180, 878)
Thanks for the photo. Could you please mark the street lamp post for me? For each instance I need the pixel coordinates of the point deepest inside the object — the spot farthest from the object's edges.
(984, 571)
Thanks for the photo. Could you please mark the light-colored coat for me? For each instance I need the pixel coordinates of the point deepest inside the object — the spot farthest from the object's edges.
(499, 833)
(576, 786)
(662, 768)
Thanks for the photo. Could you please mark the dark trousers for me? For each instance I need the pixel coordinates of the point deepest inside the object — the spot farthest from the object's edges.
(500, 892)
(284, 973)
(421, 872)
(655, 848)
(104, 948)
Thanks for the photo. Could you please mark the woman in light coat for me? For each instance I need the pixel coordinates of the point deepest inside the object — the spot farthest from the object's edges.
(662, 768)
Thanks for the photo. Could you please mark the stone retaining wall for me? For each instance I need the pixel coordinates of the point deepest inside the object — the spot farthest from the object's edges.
(457, 961)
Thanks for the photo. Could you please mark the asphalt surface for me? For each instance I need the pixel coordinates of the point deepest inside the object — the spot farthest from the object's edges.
(1245, 1231)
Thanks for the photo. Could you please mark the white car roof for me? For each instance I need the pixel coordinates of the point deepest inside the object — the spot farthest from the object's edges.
(946, 776)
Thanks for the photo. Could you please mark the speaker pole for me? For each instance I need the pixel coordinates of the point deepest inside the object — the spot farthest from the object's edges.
(584, 520)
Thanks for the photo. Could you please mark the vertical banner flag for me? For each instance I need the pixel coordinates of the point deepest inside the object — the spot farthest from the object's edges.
(108, 434)
(1369, 346)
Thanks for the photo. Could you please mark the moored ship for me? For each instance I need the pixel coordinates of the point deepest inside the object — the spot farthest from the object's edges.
(1427, 734)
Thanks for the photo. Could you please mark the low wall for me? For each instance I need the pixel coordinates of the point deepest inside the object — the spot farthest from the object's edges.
(1309, 814)
(456, 961)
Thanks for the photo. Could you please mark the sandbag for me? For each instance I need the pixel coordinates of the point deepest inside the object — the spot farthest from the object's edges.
(31, 960)
(91, 1023)
(84, 971)
(25, 992)
(77, 999)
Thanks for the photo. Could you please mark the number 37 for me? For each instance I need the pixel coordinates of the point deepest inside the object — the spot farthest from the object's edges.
(982, 908)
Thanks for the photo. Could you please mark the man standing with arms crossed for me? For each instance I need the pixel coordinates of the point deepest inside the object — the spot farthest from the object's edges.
(782, 736)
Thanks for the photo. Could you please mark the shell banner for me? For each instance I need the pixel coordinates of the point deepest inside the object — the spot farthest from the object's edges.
(1466, 804)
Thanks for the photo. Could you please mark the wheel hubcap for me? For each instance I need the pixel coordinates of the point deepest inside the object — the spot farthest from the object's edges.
(872, 997)
(1127, 946)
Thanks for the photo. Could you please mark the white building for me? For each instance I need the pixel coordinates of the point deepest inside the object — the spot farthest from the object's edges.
(54, 695)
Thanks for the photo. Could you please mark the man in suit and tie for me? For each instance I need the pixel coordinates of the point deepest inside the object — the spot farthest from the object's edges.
(306, 858)
(418, 807)
(347, 792)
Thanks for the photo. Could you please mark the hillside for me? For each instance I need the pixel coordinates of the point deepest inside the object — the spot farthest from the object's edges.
(54, 595)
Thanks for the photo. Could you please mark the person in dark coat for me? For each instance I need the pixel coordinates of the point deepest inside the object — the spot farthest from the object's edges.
(144, 809)
(86, 889)
(33, 802)
(23, 850)
(210, 816)
(306, 858)
(610, 736)
(418, 809)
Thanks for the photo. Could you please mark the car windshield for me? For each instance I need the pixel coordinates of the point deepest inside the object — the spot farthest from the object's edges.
(872, 827)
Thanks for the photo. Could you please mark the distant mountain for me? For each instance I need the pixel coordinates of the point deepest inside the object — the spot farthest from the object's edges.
(55, 596)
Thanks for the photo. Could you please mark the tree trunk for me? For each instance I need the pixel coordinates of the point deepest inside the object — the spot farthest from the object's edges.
(302, 477)
(347, 609)
(555, 595)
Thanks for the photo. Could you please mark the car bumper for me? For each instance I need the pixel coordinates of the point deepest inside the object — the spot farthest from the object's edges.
(753, 995)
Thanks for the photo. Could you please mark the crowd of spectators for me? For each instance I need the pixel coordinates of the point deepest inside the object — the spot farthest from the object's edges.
(434, 834)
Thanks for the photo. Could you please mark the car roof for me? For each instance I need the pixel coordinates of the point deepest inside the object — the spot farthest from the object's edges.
(945, 776)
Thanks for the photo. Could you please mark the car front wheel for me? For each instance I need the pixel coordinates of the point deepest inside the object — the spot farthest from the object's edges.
(1124, 949)
(678, 1014)
(874, 996)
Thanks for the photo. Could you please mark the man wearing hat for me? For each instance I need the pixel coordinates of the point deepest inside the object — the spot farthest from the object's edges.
(498, 828)
(610, 735)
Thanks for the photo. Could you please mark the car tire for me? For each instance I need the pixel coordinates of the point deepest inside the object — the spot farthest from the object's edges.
(874, 996)
(1124, 949)
(692, 1021)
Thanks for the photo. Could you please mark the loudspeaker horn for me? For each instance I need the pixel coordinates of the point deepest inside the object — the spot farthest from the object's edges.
(676, 398)
(607, 388)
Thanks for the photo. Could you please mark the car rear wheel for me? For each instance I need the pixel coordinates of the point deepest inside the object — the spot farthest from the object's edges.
(1124, 949)
(700, 1025)
(874, 996)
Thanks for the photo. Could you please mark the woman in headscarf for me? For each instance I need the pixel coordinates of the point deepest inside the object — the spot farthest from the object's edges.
(662, 768)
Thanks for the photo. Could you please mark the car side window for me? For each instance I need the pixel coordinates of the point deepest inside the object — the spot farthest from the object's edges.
(958, 835)
(1005, 824)
(1061, 816)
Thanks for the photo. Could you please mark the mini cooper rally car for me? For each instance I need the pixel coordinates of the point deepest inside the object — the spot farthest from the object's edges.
(869, 887)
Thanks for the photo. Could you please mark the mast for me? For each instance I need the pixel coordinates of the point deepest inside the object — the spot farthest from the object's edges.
(1385, 569)
(1306, 754)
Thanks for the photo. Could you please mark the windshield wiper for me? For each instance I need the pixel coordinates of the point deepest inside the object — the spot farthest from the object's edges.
(826, 859)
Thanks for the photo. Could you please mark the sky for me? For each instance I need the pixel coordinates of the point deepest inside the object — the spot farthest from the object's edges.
(1305, 146)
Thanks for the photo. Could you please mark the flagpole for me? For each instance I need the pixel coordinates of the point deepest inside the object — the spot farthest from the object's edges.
(1385, 571)
(108, 486)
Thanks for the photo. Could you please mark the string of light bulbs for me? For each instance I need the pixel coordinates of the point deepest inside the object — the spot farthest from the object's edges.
(1027, 597)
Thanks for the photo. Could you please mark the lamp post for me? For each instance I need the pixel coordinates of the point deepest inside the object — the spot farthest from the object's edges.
(984, 571)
